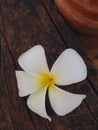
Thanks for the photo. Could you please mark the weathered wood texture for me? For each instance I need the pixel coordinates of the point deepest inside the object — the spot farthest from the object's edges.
(90, 44)
(25, 24)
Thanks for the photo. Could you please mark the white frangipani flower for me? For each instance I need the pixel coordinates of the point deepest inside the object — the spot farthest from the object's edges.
(36, 78)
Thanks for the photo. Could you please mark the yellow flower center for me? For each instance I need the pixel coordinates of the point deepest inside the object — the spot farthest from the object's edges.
(47, 80)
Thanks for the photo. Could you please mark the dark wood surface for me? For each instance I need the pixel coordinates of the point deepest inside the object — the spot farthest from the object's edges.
(23, 25)
(90, 44)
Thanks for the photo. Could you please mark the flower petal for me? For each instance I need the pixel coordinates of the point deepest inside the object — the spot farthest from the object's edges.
(64, 102)
(36, 103)
(34, 61)
(26, 83)
(69, 68)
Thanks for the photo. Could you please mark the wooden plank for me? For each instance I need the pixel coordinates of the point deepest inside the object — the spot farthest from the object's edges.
(14, 109)
(90, 44)
(26, 24)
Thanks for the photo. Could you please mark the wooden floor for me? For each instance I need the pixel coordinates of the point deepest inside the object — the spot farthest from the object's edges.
(90, 44)
(23, 25)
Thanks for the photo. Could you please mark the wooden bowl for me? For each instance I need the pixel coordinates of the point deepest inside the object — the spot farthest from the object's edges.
(81, 14)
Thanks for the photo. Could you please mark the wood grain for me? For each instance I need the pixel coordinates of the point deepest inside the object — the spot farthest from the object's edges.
(90, 44)
(25, 24)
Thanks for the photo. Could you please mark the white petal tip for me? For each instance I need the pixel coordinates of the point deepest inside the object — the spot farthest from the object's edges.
(49, 119)
(23, 94)
(84, 96)
(20, 95)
